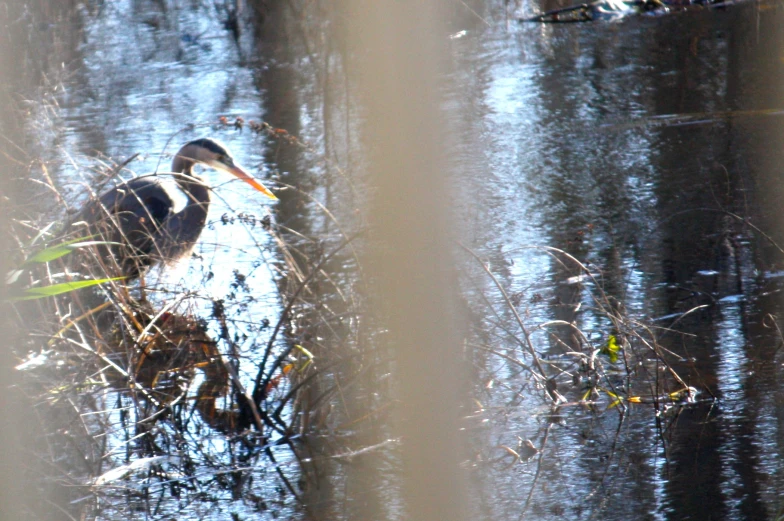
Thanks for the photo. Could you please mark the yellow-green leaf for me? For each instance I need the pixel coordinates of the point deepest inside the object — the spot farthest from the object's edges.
(308, 355)
(610, 393)
(60, 250)
(611, 349)
(58, 289)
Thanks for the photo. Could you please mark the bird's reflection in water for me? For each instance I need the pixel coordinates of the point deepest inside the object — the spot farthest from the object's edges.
(162, 362)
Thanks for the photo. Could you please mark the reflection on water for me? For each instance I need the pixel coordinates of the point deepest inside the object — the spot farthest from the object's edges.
(657, 215)
(676, 224)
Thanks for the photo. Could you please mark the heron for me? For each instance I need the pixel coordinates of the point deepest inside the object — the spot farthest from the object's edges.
(136, 221)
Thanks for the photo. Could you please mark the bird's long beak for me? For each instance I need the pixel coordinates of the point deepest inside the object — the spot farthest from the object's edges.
(242, 174)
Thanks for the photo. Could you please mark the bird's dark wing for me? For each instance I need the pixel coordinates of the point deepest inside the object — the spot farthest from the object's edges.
(179, 233)
(131, 213)
(145, 196)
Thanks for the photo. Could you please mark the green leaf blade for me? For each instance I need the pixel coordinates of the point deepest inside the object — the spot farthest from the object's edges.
(59, 289)
(63, 249)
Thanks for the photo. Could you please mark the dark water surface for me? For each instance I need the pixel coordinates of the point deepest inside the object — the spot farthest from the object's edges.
(648, 149)
(567, 129)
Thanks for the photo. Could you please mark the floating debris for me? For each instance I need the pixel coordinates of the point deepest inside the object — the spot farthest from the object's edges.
(600, 10)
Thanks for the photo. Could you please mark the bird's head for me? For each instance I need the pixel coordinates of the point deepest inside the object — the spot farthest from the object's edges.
(214, 154)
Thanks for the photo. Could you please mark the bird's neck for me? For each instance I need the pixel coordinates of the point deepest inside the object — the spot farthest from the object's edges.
(182, 164)
(189, 182)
